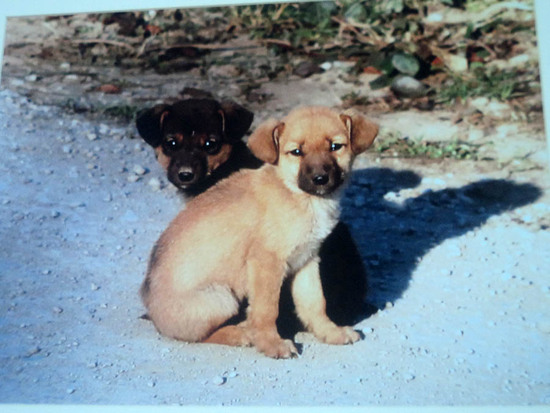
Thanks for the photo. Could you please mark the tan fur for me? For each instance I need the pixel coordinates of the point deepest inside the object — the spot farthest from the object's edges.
(242, 237)
(162, 159)
(214, 161)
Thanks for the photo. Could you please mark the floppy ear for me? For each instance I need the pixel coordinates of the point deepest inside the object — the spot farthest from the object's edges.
(361, 131)
(236, 119)
(264, 141)
(149, 124)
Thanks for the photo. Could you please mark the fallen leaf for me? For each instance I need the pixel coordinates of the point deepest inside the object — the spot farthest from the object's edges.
(371, 70)
(152, 29)
(437, 63)
(110, 89)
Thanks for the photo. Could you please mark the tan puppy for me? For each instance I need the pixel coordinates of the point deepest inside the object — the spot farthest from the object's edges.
(241, 238)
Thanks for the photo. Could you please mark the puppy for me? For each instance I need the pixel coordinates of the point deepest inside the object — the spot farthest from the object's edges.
(198, 141)
(243, 237)
(186, 162)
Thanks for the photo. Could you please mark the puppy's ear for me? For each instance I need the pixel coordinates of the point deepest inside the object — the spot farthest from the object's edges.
(264, 141)
(236, 120)
(361, 131)
(149, 124)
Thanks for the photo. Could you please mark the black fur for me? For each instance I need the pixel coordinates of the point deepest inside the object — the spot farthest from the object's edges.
(191, 133)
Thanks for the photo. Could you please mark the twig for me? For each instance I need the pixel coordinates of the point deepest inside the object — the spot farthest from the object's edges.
(143, 46)
(284, 43)
(221, 47)
(102, 41)
(353, 26)
(280, 11)
(486, 47)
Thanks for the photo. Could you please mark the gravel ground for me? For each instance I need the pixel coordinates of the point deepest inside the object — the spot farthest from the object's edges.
(457, 256)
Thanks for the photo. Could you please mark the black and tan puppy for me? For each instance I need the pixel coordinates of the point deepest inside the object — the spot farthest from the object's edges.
(242, 238)
(198, 141)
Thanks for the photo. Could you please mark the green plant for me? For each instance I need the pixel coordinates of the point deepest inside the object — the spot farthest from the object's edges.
(126, 112)
(403, 147)
(501, 85)
(296, 23)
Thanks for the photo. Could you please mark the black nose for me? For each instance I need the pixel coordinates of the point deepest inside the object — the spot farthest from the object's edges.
(186, 176)
(320, 179)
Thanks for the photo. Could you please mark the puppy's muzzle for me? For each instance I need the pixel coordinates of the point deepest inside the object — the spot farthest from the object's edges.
(185, 170)
(319, 175)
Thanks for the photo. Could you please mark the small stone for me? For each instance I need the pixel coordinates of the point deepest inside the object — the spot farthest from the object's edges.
(497, 109)
(306, 69)
(218, 380)
(94, 287)
(434, 18)
(55, 214)
(33, 351)
(91, 136)
(57, 310)
(133, 178)
(71, 391)
(457, 63)
(224, 71)
(139, 170)
(408, 87)
(479, 103)
(519, 60)
(155, 184)
(528, 219)
(71, 79)
(409, 377)
(326, 66)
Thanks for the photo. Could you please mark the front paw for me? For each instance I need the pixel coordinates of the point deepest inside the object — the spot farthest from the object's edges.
(277, 348)
(338, 335)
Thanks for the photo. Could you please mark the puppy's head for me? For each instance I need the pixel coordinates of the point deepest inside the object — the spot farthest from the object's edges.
(313, 147)
(193, 137)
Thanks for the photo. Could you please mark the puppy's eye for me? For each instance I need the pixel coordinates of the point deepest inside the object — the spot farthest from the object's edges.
(296, 152)
(171, 142)
(336, 146)
(212, 146)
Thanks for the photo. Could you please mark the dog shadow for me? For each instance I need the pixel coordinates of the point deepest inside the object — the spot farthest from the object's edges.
(393, 236)
(380, 240)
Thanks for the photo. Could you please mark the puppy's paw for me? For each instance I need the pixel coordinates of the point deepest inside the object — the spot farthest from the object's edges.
(339, 335)
(278, 349)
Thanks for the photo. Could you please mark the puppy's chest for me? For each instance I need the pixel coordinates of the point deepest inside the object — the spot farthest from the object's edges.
(322, 219)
